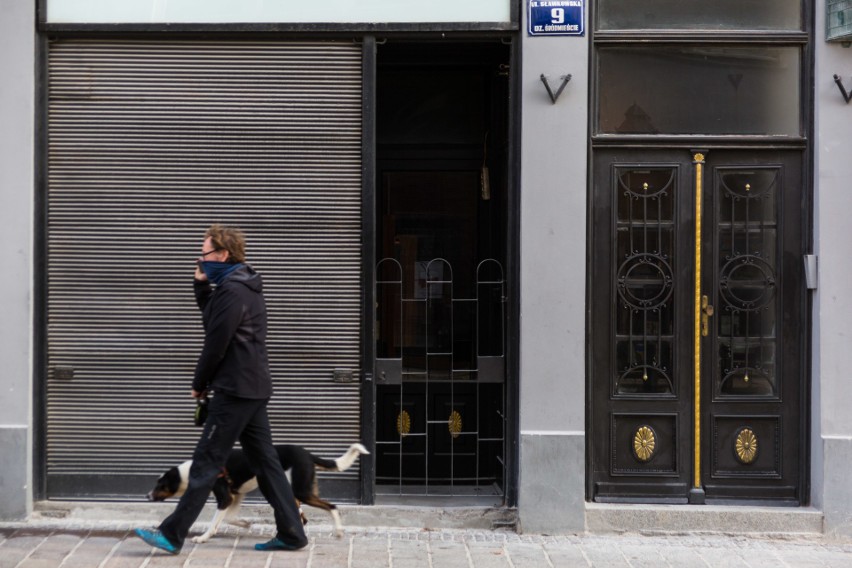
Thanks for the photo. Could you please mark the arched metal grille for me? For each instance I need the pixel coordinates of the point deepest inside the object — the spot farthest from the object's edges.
(748, 231)
(645, 280)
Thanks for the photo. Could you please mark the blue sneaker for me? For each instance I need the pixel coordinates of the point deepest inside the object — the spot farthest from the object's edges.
(278, 544)
(157, 540)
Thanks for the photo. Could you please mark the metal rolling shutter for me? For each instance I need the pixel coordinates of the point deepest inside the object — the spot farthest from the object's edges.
(149, 143)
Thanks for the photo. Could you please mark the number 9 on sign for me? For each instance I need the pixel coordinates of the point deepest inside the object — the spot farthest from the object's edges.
(557, 15)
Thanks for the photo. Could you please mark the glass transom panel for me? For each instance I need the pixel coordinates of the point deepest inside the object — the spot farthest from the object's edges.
(714, 90)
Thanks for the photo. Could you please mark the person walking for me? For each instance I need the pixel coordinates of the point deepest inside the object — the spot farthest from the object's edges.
(234, 365)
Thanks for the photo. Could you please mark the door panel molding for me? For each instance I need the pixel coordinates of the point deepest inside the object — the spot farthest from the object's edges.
(755, 442)
(654, 445)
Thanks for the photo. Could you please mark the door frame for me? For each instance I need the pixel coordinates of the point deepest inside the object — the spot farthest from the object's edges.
(368, 269)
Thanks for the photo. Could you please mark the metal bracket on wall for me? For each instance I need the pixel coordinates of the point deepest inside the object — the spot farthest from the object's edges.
(846, 96)
(811, 271)
(553, 97)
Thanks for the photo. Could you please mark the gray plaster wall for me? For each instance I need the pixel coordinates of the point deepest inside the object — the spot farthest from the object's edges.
(17, 80)
(553, 282)
(832, 379)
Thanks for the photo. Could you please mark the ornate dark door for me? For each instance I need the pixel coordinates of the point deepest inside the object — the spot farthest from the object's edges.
(697, 299)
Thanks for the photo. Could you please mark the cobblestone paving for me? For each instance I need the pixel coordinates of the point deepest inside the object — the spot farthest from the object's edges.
(67, 547)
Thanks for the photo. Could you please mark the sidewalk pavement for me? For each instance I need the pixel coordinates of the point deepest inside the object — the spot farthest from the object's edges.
(58, 545)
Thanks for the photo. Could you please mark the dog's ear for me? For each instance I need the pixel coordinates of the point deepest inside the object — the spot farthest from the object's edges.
(172, 480)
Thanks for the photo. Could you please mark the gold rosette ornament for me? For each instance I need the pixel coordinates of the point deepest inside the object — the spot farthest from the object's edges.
(644, 443)
(403, 423)
(746, 445)
(455, 424)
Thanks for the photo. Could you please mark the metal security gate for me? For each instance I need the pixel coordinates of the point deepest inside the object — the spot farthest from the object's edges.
(440, 369)
(443, 201)
(149, 143)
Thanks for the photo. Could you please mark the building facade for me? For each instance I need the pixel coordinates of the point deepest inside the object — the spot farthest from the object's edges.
(533, 254)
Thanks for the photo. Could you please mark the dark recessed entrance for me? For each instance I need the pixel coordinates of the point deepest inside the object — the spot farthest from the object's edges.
(441, 273)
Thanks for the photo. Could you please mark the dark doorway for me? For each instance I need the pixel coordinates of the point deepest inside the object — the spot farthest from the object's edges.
(442, 141)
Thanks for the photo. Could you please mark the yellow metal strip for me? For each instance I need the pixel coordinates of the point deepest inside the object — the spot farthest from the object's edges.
(698, 160)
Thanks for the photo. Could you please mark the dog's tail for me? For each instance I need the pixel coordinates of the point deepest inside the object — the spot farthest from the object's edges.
(345, 461)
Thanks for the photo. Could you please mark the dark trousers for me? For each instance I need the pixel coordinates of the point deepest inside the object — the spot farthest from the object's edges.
(230, 419)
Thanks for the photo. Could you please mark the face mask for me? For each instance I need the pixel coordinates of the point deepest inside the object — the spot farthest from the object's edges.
(217, 271)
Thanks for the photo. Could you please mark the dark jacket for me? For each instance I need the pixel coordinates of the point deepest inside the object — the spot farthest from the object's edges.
(234, 360)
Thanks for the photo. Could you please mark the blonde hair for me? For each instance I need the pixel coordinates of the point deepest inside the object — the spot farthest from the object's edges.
(230, 239)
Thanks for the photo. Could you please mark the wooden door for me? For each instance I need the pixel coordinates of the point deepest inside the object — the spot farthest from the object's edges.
(697, 312)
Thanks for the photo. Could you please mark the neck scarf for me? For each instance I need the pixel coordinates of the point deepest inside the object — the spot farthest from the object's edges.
(218, 272)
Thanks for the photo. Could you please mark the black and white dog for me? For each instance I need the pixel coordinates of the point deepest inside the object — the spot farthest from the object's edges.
(238, 480)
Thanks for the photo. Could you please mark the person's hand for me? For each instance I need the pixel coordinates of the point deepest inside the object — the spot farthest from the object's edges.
(196, 394)
(199, 274)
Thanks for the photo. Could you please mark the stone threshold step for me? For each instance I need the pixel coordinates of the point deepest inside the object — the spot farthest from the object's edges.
(721, 519)
(122, 514)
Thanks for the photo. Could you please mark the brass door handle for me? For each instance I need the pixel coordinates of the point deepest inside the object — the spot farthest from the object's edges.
(706, 312)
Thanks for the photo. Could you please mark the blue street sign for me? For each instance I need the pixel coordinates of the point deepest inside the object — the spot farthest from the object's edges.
(556, 17)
